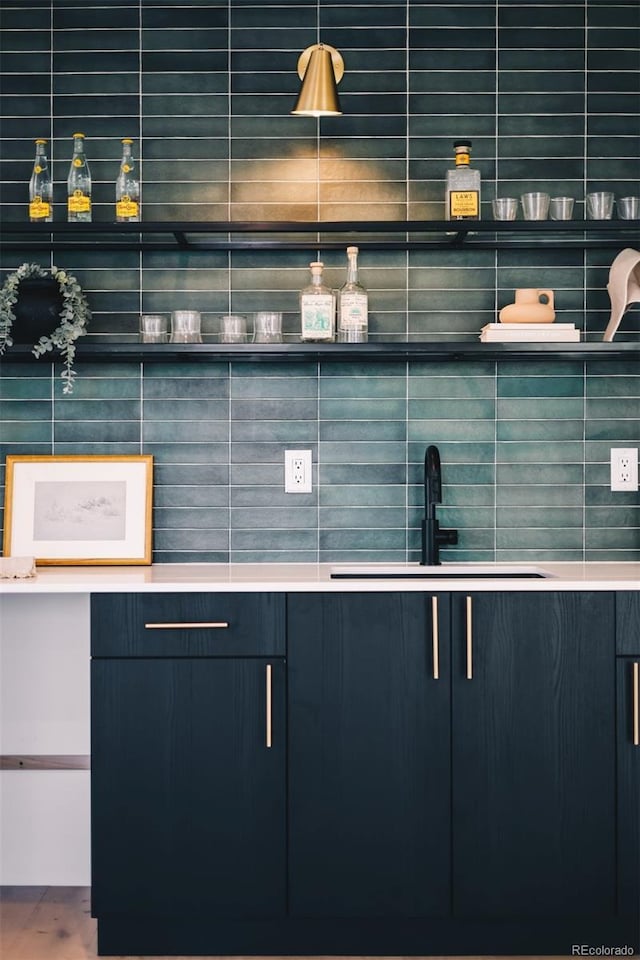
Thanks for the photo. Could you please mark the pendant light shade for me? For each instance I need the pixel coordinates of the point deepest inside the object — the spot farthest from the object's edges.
(321, 69)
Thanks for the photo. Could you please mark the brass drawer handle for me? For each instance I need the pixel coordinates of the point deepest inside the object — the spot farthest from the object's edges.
(186, 625)
(636, 704)
(435, 638)
(268, 716)
(469, 639)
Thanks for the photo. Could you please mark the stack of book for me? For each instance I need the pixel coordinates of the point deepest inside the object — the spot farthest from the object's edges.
(530, 333)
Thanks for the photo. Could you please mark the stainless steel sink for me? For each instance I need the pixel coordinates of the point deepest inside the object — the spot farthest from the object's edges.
(445, 571)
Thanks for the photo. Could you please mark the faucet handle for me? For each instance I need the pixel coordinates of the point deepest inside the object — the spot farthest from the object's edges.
(446, 537)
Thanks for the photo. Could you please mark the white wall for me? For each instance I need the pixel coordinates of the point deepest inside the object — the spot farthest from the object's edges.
(44, 709)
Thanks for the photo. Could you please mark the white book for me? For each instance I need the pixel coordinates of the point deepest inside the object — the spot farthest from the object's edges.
(506, 327)
(531, 336)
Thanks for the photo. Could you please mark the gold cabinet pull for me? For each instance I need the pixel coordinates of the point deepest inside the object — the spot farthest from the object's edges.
(636, 704)
(435, 638)
(186, 625)
(268, 716)
(469, 640)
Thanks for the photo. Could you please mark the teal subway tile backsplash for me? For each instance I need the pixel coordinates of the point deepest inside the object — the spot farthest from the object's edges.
(546, 90)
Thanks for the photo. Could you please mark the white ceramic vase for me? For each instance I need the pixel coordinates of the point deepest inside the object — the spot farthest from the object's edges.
(623, 288)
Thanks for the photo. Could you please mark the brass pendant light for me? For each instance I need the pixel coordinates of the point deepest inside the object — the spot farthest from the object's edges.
(321, 68)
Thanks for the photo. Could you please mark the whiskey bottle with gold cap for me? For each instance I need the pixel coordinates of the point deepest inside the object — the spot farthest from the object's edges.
(41, 187)
(463, 186)
(79, 184)
(127, 187)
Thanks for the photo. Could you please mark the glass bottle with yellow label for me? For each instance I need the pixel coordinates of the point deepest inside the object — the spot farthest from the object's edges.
(127, 187)
(79, 184)
(41, 187)
(463, 186)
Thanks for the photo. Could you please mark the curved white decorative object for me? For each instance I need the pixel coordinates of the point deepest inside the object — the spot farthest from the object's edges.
(623, 288)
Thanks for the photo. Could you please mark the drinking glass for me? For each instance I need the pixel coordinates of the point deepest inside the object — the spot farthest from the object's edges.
(629, 208)
(600, 205)
(267, 327)
(233, 328)
(154, 328)
(505, 208)
(185, 326)
(561, 208)
(535, 206)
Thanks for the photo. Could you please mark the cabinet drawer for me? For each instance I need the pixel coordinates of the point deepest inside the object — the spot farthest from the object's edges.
(628, 623)
(187, 624)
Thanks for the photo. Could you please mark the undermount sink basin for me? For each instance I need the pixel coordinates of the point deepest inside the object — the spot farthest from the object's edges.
(414, 571)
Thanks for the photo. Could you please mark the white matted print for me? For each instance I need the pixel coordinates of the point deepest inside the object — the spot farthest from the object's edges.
(79, 510)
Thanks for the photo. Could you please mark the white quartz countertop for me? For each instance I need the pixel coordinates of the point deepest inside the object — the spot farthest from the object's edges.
(311, 577)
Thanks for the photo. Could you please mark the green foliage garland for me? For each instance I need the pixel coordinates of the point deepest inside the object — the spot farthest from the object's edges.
(74, 316)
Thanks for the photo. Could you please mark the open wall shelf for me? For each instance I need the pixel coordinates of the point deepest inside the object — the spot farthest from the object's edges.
(335, 352)
(295, 235)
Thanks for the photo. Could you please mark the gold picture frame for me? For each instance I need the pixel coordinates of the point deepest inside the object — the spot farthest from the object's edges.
(75, 510)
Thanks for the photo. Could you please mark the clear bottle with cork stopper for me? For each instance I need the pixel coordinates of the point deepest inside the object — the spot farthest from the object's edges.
(463, 186)
(353, 304)
(317, 308)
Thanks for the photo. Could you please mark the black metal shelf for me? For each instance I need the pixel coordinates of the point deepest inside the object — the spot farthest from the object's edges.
(339, 352)
(296, 235)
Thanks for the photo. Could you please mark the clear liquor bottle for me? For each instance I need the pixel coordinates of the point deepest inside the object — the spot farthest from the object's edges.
(353, 304)
(463, 186)
(317, 308)
(79, 184)
(41, 187)
(127, 187)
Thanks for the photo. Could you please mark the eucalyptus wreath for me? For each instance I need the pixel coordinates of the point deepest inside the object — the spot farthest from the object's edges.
(74, 316)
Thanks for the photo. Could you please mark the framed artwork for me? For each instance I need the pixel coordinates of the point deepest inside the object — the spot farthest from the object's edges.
(79, 510)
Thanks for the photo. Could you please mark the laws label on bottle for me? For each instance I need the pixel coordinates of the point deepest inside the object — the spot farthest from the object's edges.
(317, 317)
(463, 203)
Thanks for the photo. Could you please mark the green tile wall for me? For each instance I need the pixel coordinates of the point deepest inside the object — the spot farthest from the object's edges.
(547, 91)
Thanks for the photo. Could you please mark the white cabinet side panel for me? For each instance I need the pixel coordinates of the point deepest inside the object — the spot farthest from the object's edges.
(45, 828)
(44, 674)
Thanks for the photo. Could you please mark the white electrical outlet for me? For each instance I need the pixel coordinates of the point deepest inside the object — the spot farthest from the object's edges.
(297, 471)
(624, 468)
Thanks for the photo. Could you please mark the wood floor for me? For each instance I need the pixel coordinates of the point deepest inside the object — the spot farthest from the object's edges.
(54, 923)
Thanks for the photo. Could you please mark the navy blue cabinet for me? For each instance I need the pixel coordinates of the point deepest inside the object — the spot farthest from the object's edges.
(188, 762)
(369, 755)
(628, 753)
(365, 773)
(483, 800)
(534, 767)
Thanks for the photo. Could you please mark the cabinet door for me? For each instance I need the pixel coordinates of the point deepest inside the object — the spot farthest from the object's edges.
(629, 788)
(188, 799)
(534, 798)
(369, 756)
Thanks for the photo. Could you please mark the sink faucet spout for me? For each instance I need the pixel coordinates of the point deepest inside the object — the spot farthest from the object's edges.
(432, 536)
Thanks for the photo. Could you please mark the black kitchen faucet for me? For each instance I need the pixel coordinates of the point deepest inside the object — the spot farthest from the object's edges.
(432, 536)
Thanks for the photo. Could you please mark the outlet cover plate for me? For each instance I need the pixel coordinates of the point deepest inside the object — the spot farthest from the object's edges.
(298, 471)
(624, 469)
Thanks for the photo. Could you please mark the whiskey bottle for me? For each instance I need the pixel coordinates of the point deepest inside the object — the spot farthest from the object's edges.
(79, 184)
(127, 187)
(317, 308)
(41, 187)
(463, 186)
(353, 321)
